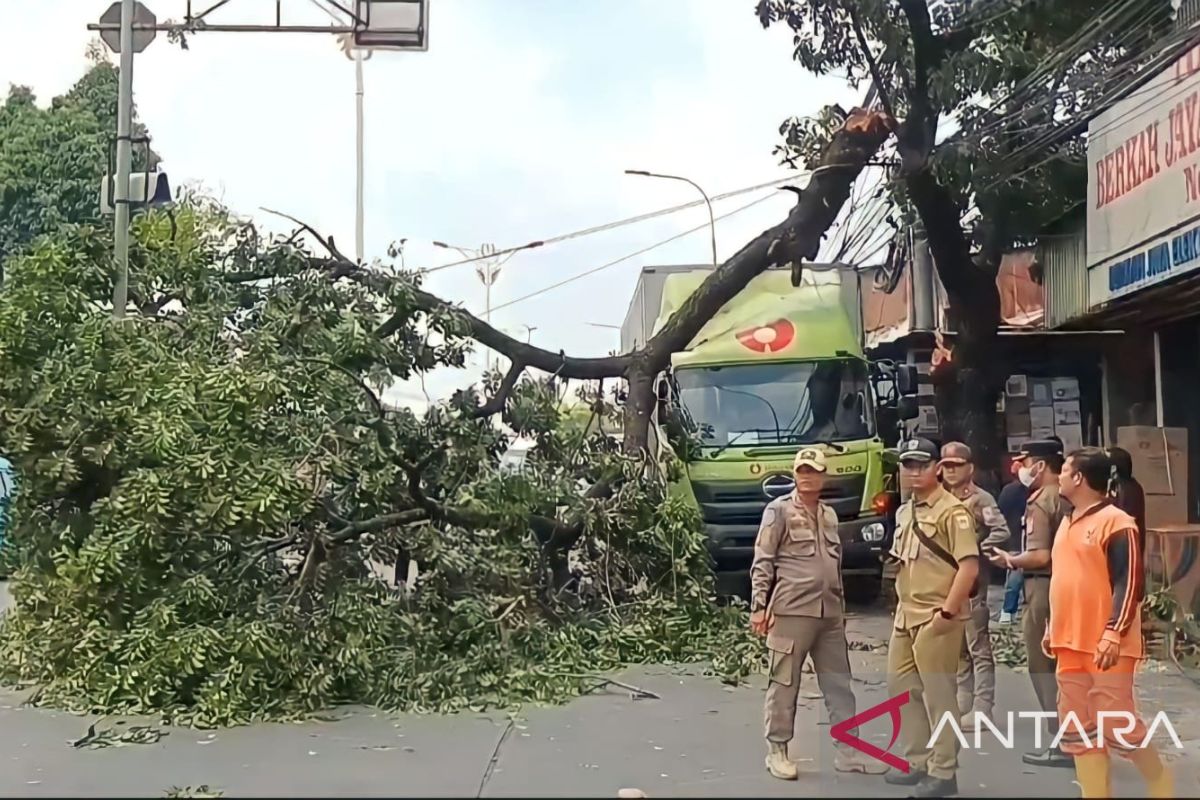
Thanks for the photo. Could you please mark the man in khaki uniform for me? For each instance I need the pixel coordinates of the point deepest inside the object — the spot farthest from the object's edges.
(939, 561)
(977, 672)
(796, 602)
(1041, 463)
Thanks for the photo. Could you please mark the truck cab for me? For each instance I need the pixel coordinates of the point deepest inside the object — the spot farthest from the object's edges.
(777, 369)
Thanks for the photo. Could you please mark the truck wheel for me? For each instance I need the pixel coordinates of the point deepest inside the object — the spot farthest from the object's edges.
(862, 591)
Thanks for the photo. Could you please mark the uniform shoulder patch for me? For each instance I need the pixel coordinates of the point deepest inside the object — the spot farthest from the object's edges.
(770, 515)
(961, 521)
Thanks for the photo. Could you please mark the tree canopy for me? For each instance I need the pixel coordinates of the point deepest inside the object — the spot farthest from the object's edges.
(990, 102)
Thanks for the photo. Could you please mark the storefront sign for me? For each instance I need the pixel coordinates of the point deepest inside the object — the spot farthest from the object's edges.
(1143, 215)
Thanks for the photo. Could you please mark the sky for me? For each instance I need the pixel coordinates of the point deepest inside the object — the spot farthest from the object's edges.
(516, 125)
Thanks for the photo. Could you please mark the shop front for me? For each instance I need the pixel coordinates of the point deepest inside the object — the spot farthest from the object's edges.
(1143, 277)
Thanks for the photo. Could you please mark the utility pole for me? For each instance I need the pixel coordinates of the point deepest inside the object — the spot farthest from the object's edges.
(359, 202)
(124, 162)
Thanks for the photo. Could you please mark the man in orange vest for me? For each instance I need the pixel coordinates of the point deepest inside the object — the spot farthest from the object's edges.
(1095, 629)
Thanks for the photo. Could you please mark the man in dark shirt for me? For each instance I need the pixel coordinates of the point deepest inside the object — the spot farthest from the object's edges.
(1012, 500)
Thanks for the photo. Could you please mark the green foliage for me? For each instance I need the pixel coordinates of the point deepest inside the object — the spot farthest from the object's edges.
(206, 491)
(1009, 74)
(52, 160)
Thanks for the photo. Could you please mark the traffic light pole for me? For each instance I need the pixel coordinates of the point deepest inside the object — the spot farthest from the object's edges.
(124, 163)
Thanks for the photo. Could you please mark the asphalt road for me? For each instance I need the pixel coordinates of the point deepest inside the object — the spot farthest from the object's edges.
(701, 739)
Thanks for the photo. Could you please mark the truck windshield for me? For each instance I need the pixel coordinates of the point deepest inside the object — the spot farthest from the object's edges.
(781, 403)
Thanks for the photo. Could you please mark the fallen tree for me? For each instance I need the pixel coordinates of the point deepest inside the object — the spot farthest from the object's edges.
(207, 488)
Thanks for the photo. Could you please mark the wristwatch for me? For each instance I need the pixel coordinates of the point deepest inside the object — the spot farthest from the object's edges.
(944, 614)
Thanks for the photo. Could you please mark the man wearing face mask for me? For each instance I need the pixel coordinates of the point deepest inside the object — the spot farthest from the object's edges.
(977, 672)
(1041, 462)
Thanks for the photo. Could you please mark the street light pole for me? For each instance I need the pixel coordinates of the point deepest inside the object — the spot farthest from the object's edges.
(359, 202)
(487, 267)
(712, 220)
(124, 162)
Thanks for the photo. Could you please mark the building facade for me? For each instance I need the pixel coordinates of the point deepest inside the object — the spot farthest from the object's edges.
(1129, 261)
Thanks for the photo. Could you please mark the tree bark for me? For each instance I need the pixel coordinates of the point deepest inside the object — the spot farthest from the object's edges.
(966, 388)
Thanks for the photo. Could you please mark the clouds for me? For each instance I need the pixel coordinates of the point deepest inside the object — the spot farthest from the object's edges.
(515, 125)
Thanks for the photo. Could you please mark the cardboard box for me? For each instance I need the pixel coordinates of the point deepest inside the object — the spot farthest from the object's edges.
(1042, 433)
(1160, 465)
(1018, 425)
(1040, 392)
(927, 419)
(1071, 435)
(1016, 386)
(1042, 417)
(1064, 388)
(1066, 412)
(1015, 443)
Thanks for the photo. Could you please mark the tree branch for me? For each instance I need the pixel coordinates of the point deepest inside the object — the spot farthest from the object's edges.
(884, 97)
(356, 529)
(516, 351)
(496, 403)
(795, 239)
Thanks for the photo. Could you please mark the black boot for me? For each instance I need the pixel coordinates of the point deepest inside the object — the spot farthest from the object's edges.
(936, 787)
(897, 778)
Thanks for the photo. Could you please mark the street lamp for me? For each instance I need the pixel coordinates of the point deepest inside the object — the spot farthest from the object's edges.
(712, 221)
(529, 329)
(487, 267)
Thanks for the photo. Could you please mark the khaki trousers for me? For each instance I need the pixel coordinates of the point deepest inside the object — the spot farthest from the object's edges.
(925, 664)
(791, 640)
(1041, 668)
(977, 668)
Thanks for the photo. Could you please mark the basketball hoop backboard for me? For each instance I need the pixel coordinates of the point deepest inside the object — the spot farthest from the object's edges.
(392, 24)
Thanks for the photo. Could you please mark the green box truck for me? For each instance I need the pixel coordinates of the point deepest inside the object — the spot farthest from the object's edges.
(777, 368)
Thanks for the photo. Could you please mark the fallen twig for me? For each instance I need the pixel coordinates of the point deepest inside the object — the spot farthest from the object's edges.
(491, 765)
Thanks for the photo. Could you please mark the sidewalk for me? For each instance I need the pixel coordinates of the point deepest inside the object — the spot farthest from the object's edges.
(702, 739)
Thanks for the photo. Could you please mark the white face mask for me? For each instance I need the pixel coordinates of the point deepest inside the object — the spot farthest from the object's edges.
(1025, 476)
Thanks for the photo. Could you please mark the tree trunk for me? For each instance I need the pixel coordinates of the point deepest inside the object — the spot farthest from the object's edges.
(967, 387)
(639, 405)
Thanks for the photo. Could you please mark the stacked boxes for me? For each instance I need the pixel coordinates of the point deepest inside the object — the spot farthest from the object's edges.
(1038, 408)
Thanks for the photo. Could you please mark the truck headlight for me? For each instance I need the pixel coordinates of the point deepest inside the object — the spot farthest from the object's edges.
(873, 532)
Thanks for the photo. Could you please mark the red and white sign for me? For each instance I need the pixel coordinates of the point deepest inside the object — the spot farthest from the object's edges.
(768, 338)
(1143, 174)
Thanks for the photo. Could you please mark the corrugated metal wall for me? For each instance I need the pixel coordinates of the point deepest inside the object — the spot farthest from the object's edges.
(1188, 14)
(1063, 258)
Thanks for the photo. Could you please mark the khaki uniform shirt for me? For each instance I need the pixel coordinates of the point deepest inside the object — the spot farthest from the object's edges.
(923, 580)
(1044, 512)
(797, 561)
(991, 530)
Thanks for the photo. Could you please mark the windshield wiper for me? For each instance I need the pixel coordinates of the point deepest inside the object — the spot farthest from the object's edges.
(722, 448)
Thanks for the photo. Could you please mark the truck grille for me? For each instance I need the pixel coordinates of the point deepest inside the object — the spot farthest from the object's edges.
(742, 502)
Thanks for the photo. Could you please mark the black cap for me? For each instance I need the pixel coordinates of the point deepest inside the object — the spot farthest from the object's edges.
(1042, 448)
(918, 449)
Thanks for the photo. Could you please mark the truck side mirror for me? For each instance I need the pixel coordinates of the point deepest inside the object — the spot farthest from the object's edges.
(906, 378)
(907, 407)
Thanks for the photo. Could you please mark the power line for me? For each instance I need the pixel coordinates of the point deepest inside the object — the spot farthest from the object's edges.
(1073, 128)
(628, 256)
(623, 222)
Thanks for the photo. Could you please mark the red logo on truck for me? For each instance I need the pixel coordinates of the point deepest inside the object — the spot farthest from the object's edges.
(768, 338)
